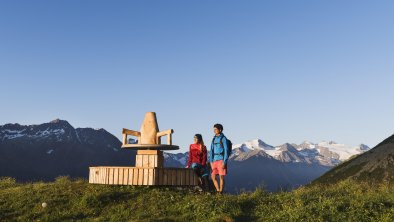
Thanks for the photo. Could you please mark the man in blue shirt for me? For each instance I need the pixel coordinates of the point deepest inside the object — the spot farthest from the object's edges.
(218, 157)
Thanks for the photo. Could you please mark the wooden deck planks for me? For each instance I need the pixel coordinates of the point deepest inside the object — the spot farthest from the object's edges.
(147, 176)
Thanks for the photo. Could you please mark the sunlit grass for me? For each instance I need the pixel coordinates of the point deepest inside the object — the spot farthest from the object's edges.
(73, 200)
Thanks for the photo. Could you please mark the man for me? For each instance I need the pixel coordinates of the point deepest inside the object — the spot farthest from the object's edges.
(218, 157)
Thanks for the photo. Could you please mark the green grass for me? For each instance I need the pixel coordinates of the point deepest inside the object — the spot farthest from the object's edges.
(76, 200)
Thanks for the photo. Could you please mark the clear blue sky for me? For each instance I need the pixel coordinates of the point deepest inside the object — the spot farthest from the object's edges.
(282, 71)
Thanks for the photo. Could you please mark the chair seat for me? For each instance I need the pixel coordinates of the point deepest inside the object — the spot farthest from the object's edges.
(150, 147)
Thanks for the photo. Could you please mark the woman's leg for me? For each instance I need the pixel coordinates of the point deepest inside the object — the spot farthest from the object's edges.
(205, 183)
(197, 171)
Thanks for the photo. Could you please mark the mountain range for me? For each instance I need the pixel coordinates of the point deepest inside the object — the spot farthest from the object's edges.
(327, 154)
(256, 163)
(45, 151)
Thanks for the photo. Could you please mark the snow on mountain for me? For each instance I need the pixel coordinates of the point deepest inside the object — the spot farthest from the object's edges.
(45, 151)
(324, 153)
(306, 145)
(288, 153)
(344, 151)
(55, 131)
(175, 159)
(252, 145)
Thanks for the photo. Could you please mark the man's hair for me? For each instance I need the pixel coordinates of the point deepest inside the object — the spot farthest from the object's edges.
(218, 126)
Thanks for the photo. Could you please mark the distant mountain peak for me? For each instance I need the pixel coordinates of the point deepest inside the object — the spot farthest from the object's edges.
(364, 147)
(331, 142)
(56, 121)
(252, 154)
(287, 146)
(257, 143)
(100, 129)
(56, 131)
(307, 142)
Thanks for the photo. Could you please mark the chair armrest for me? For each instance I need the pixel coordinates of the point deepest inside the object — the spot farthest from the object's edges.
(165, 133)
(131, 132)
(126, 132)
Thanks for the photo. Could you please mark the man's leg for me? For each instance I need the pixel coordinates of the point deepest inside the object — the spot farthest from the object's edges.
(221, 183)
(215, 182)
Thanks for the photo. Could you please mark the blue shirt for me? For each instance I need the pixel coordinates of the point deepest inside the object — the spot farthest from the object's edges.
(217, 151)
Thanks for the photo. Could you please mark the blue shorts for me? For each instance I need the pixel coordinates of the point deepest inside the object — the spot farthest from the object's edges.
(201, 171)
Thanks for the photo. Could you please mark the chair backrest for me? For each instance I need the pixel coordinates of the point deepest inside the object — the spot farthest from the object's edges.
(149, 129)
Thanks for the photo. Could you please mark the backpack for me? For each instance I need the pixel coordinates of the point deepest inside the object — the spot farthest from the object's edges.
(229, 145)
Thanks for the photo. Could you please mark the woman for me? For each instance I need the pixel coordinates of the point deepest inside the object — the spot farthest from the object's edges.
(198, 160)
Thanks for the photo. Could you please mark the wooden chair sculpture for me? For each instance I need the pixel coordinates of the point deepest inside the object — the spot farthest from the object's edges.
(149, 165)
(149, 136)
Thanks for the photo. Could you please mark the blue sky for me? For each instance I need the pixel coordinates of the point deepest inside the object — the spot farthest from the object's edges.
(282, 71)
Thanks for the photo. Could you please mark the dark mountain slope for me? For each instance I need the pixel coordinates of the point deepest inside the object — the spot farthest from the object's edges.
(375, 165)
(45, 151)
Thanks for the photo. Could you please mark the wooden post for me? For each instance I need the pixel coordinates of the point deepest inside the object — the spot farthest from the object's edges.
(149, 158)
(159, 140)
(169, 139)
(125, 139)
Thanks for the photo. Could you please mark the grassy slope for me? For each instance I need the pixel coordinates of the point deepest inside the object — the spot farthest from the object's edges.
(77, 200)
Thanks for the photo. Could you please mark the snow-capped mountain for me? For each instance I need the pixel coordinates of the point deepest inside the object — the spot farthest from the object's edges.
(175, 159)
(55, 131)
(45, 151)
(323, 153)
(255, 162)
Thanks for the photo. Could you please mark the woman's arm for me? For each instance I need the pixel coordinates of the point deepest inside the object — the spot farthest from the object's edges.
(189, 159)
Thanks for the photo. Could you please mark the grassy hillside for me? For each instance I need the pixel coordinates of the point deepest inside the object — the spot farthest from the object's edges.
(73, 200)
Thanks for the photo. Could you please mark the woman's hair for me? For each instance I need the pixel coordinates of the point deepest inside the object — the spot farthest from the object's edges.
(200, 141)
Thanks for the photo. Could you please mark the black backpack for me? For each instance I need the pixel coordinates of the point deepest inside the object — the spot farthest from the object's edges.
(229, 145)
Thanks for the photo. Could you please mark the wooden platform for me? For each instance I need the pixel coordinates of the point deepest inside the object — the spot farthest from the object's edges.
(150, 147)
(142, 176)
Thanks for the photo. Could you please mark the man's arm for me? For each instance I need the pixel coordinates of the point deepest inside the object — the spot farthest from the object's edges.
(225, 156)
(211, 153)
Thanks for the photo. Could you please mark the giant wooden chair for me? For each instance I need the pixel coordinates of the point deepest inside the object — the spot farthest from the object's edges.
(149, 165)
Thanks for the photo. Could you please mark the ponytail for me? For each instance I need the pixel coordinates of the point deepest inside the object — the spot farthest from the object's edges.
(201, 145)
(200, 141)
